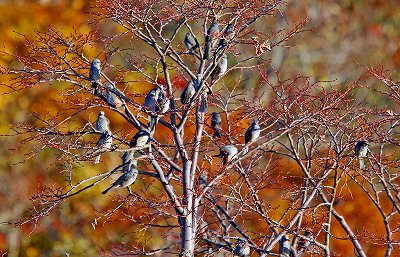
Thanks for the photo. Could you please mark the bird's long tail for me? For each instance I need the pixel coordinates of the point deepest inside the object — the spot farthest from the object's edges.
(97, 160)
(152, 122)
(95, 87)
(217, 133)
(207, 48)
(361, 162)
(108, 189)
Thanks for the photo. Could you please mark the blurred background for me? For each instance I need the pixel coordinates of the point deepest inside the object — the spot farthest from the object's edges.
(342, 36)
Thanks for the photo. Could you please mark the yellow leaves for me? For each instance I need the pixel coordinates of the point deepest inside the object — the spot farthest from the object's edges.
(31, 251)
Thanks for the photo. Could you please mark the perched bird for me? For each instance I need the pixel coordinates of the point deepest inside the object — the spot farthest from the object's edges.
(125, 180)
(203, 107)
(361, 151)
(150, 104)
(140, 138)
(228, 35)
(95, 75)
(220, 68)
(112, 98)
(253, 132)
(212, 33)
(306, 244)
(162, 101)
(188, 93)
(226, 153)
(128, 159)
(161, 107)
(242, 248)
(284, 247)
(216, 123)
(202, 180)
(104, 143)
(190, 42)
(102, 123)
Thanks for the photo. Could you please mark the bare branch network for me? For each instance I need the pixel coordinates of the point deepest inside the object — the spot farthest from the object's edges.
(292, 152)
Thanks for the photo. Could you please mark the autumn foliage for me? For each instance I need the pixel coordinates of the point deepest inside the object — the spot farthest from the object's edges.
(291, 65)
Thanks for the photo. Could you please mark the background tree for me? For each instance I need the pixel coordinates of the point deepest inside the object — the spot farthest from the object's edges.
(301, 173)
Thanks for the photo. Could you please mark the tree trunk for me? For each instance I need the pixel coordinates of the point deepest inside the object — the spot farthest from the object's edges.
(187, 220)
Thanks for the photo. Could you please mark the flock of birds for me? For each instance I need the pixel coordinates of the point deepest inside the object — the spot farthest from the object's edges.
(156, 104)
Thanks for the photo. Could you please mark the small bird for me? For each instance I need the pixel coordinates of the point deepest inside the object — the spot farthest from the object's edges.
(161, 107)
(203, 180)
(150, 104)
(305, 245)
(104, 143)
(112, 98)
(242, 248)
(203, 107)
(228, 35)
(226, 153)
(140, 138)
(284, 246)
(162, 101)
(102, 123)
(95, 75)
(220, 68)
(216, 123)
(128, 158)
(125, 180)
(361, 151)
(253, 132)
(212, 33)
(190, 42)
(188, 93)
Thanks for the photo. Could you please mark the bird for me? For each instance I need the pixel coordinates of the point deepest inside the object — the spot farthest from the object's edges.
(150, 104)
(220, 68)
(226, 153)
(306, 244)
(242, 248)
(188, 93)
(128, 158)
(361, 151)
(212, 32)
(228, 35)
(112, 98)
(253, 132)
(141, 138)
(216, 123)
(150, 101)
(190, 42)
(125, 180)
(161, 107)
(203, 180)
(102, 123)
(284, 247)
(203, 107)
(95, 75)
(162, 101)
(104, 143)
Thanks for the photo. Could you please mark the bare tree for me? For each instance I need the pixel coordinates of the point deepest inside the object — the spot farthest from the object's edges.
(293, 180)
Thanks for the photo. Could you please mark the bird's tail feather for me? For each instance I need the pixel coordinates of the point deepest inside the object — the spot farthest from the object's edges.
(361, 162)
(152, 122)
(217, 133)
(106, 191)
(97, 160)
(207, 48)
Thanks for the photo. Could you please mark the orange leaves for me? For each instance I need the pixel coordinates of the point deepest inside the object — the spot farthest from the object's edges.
(179, 82)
